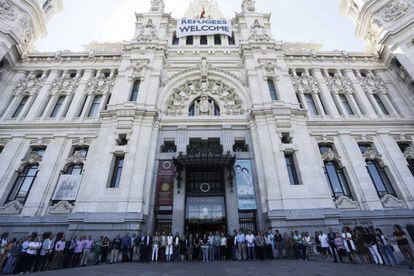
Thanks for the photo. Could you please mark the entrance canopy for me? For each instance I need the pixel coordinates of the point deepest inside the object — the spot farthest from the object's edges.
(205, 160)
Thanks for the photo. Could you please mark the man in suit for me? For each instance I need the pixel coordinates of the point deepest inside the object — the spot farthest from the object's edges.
(146, 247)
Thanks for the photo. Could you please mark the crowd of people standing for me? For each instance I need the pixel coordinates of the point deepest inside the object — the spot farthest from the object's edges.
(46, 252)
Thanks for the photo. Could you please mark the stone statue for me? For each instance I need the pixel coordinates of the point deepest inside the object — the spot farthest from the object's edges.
(157, 5)
(204, 66)
(148, 32)
(248, 6)
(258, 32)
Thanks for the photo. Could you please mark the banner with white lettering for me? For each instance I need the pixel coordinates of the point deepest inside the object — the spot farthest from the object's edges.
(188, 27)
(68, 187)
(245, 186)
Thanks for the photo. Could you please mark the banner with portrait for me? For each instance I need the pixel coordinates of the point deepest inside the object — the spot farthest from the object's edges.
(245, 185)
(165, 183)
(67, 187)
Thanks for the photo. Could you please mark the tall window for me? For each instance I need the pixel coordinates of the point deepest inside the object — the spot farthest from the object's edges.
(311, 104)
(189, 40)
(346, 105)
(335, 175)
(175, 39)
(231, 39)
(403, 147)
(272, 89)
(23, 184)
(58, 106)
(381, 105)
(217, 39)
(25, 179)
(76, 169)
(290, 164)
(378, 174)
(117, 172)
(93, 111)
(203, 40)
(20, 107)
(135, 90)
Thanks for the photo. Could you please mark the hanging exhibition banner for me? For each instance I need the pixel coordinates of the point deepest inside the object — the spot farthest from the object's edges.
(68, 187)
(165, 183)
(245, 185)
(188, 27)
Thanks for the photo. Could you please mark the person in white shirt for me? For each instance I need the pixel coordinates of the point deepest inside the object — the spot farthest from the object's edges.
(223, 246)
(169, 248)
(45, 251)
(32, 249)
(323, 238)
(306, 242)
(250, 246)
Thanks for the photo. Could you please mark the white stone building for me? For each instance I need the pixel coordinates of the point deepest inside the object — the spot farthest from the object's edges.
(209, 132)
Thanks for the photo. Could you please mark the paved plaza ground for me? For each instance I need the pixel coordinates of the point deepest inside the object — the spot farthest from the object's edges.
(262, 268)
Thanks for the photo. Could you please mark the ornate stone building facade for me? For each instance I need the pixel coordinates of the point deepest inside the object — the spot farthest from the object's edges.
(160, 133)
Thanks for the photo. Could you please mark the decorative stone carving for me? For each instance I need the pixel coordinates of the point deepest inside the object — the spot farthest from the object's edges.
(409, 153)
(401, 73)
(248, 6)
(305, 84)
(7, 11)
(32, 158)
(204, 106)
(373, 85)
(76, 158)
(344, 202)
(390, 201)
(330, 156)
(391, 12)
(339, 84)
(258, 32)
(371, 154)
(64, 85)
(11, 208)
(28, 86)
(100, 85)
(148, 32)
(191, 89)
(62, 207)
(157, 6)
(204, 67)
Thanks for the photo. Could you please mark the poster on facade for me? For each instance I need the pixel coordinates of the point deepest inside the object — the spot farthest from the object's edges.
(245, 185)
(165, 183)
(68, 187)
(189, 27)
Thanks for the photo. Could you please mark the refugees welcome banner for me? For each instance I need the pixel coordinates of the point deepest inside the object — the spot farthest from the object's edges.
(188, 27)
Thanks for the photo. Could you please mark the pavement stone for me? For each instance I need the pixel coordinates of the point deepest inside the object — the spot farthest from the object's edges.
(262, 268)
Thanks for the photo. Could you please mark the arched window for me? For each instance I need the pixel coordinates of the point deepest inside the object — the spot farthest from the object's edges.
(135, 91)
(23, 184)
(204, 106)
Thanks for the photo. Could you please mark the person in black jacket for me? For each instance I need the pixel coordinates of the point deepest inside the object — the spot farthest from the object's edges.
(146, 243)
(331, 238)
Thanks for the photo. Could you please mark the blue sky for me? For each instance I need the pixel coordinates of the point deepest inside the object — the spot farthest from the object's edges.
(83, 21)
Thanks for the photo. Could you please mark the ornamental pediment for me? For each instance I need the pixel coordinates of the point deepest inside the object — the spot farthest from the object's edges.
(204, 92)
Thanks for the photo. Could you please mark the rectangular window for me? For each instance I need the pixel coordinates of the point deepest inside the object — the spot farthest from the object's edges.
(23, 184)
(117, 172)
(311, 104)
(175, 39)
(203, 40)
(93, 111)
(20, 107)
(272, 89)
(290, 164)
(231, 39)
(39, 150)
(135, 91)
(379, 178)
(83, 106)
(58, 107)
(346, 105)
(189, 40)
(217, 39)
(381, 105)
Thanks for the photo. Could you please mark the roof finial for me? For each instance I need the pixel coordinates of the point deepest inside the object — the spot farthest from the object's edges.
(248, 6)
(157, 5)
